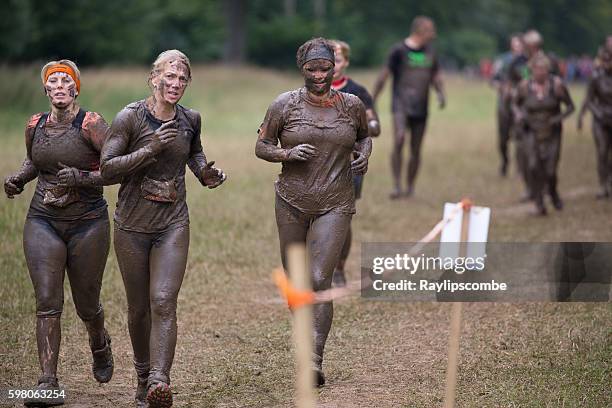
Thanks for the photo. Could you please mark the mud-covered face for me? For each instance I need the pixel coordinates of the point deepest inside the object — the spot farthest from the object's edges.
(170, 84)
(540, 72)
(318, 76)
(61, 89)
(341, 63)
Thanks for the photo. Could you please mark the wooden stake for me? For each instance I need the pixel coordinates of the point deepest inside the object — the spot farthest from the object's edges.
(302, 328)
(453, 355)
(455, 324)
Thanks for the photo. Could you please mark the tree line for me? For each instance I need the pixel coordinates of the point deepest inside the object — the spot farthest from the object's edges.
(268, 32)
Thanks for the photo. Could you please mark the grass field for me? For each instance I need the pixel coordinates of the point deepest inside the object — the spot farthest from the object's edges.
(234, 345)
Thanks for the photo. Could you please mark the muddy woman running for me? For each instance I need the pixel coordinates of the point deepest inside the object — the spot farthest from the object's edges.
(599, 101)
(152, 141)
(67, 227)
(324, 140)
(537, 109)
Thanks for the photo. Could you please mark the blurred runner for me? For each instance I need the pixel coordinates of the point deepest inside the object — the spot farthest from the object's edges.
(413, 63)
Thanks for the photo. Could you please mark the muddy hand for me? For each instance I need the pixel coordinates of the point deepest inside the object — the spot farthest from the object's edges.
(211, 176)
(302, 152)
(67, 176)
(360, 164)
(12, 186)
(163, 136)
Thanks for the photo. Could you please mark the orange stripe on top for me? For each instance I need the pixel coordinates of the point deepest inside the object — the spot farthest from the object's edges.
(66, 69)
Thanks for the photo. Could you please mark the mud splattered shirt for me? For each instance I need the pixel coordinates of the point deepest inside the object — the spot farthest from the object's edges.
(325, 182)
(413, 71)
(152, 193)
(74, 144)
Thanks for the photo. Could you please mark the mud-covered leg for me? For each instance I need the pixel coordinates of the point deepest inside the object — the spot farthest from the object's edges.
(168, 261)
(292, 227)
(537, 174)
(550, 168)
(132, 249)
(522, 162)
(417, 132)
(503, 131)
(603, 145)
(88, 248)
(339, 278)
(325, 240)
(45, 254)
(399, 135)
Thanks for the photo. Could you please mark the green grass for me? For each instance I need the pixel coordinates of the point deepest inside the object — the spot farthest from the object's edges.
(234, 334)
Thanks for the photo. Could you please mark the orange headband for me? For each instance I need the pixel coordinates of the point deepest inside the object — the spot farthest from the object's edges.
(66, 69)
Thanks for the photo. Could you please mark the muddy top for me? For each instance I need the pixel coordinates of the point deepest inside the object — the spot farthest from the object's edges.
(152, 197)
(324, 182)
(541, 109)
(76, 143)
(413, 71)
(601, 88)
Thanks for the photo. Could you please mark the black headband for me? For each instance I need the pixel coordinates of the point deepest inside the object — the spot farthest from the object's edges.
(319, 52)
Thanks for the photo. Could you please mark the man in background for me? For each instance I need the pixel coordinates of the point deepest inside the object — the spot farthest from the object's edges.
(501, 81)
(414, 66)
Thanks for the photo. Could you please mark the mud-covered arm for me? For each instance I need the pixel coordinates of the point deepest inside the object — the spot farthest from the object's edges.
(115, 162)
(267, 146)
(518, 99)
(197, 159)
(208, 175)
(371, 115)
(438, 84)
(589, 103)
(363, 143)
(585, 103)
(563, 94)
(15, 183)
(381, 80)
(373, 122)
(392, 65)
(96, 131)
(28, 172)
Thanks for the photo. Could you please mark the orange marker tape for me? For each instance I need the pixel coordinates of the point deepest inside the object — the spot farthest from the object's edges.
(294, 297)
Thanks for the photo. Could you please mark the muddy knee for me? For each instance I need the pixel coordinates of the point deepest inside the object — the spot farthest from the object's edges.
(89, 312)
(49, 305)
(138, 313)
(163, 306)
(321, 281)
(398, 141)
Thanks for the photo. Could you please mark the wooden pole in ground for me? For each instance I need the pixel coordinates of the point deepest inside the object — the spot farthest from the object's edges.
(455, 323)
(302, 328)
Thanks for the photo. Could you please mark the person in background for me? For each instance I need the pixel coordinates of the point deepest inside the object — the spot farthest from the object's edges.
(519, 70)
(502, 81)
(598, 100)
(343, 83)
(414, 66)
(537, 108)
